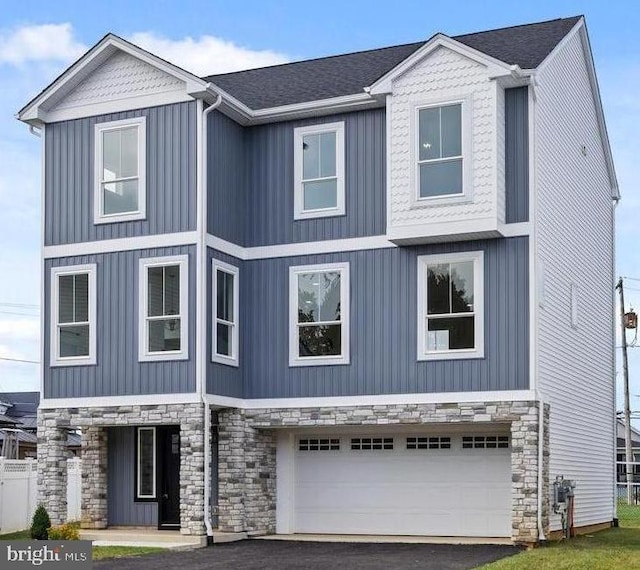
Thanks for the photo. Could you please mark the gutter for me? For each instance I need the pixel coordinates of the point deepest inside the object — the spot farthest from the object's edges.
(202, 284)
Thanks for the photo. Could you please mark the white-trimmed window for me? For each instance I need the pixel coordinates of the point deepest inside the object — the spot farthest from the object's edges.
(451, 306)
(319, 315)
(225, 313)
(441, 150)
(120, 168)
(146, 463)
(163, 305)
(73, 315)
(319, 171)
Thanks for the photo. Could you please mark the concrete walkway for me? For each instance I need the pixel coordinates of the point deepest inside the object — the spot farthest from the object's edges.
(169, 539)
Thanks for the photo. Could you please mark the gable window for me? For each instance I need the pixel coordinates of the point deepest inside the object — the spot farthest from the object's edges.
(225, 317)
(440, 151)
(319, 315)
(120, 167)
(146, 463)
(451, 306)
(319, 171)
(163, 308)
(73, 315)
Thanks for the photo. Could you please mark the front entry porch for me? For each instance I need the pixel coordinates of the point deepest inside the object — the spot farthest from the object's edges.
(141, 466)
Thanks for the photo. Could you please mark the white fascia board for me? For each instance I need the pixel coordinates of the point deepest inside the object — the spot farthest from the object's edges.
(296, 249)
(119, 244)
(130, 400)
(34, 112)
(374, 400)
(384, 85)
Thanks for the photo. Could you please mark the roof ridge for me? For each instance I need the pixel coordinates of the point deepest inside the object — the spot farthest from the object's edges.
(317, 58)
(417, 43)
(577, 17)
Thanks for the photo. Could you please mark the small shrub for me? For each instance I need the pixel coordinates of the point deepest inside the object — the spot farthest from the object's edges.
(67, 531)
(40, 524)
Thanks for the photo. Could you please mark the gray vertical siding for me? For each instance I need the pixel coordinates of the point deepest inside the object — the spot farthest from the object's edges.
(118, 371)
(225, 178)
(384, 327)
(517, 154)
(171, 176)
(222, 379)
(251, 181)
(121, 507)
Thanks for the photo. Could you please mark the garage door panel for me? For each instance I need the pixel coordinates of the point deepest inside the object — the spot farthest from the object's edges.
(443, 492)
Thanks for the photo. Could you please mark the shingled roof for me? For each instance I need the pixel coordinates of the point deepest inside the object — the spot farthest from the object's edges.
(312, 80)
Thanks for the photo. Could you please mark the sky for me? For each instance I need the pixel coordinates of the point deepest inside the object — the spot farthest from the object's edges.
(39, 39)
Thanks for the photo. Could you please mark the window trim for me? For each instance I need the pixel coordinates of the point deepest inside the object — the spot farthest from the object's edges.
(466, 134)
(477, 257)
(99, 217)
(143, 330)
(298, 133)
(138, 497)
(234, 359)
(345, 300)
(54, 350)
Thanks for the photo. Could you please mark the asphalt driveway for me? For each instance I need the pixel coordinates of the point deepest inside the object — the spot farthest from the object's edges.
(290, 555)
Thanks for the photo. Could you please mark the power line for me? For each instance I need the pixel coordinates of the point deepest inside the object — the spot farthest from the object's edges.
(19, 360)
(19, 314)
(20, 305)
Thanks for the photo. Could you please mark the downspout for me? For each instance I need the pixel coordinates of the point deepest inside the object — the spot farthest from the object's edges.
(202, 333)
(533, 289)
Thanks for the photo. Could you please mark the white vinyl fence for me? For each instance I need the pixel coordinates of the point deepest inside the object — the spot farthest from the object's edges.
(19, 492)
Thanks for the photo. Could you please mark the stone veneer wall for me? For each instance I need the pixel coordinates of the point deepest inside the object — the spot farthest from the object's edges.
(52, 468)
(247, 466)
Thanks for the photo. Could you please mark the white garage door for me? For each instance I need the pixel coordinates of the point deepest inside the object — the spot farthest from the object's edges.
(403, 485)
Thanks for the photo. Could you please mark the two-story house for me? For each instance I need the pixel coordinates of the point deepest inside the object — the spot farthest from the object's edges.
(361, 294)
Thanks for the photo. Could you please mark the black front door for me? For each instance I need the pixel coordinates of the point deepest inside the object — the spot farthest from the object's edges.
(169, 477)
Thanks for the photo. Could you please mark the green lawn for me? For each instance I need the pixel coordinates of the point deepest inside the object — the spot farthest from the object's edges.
(612, 549)
(99, 552)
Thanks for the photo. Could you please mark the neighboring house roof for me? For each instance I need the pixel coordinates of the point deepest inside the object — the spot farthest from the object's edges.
(526, 46)
(635, 435)
(23, 403)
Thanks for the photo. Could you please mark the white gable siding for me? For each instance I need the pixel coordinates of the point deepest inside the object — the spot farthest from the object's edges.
(574, 238)
(122, 76)
(442, 75)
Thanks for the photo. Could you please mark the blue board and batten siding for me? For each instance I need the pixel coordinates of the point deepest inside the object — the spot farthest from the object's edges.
(516, 155)
(122, 509)
(383, 328)
(171, 176)
(254, 205)
(118, 371)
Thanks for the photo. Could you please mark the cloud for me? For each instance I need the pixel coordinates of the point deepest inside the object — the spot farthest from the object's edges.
(206, 55)
(23, 329)
(45, 42)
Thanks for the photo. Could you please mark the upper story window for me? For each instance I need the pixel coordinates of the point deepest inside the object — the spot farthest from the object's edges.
(319, 171)
(225, 317)
(120, 167)
(73, 315)
(319, 315)
(440, 155)
(163, 308)
(451, 306)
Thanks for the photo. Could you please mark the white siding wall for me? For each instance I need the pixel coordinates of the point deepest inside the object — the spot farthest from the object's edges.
(575, 245)
(443, 75)
(121, 76)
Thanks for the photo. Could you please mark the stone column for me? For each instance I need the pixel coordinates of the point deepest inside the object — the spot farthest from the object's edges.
(192, 471)
(52, 467)
(94, 478)
(231, 470)
(246, 475)
(524, 469)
